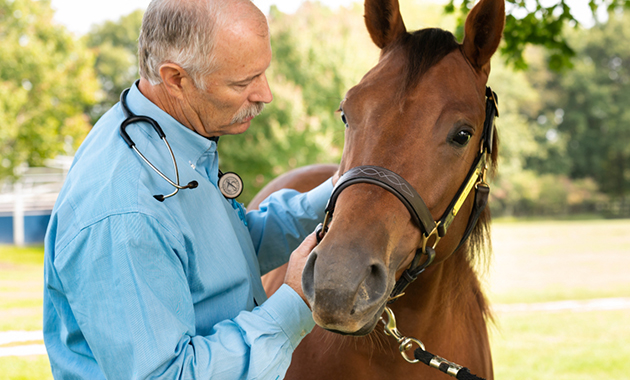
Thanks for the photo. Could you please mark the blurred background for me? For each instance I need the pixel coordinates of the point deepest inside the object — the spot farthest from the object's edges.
(559, 278)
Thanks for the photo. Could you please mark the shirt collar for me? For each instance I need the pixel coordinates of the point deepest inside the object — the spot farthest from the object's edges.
(186, 143)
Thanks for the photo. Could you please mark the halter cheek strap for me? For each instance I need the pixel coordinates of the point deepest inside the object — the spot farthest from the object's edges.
(394, 183)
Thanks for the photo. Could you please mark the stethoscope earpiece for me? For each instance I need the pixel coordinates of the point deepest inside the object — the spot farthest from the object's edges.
(191, 185)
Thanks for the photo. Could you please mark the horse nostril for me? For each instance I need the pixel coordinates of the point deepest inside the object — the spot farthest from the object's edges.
(376, 282)
(308, 278)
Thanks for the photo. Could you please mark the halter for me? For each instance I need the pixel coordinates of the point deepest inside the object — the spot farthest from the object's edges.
(419, 211)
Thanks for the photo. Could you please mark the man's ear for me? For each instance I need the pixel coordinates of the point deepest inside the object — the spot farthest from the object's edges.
(174, 78)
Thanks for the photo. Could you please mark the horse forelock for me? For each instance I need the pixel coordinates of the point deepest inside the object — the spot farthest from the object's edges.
(424, 49)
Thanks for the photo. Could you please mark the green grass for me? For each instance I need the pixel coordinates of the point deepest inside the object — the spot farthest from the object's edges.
(21, 288)
(25, 368)
(534, 261)
(22, 255)
(558, 346)
(559, 260)
(543, 261)
(21, 297)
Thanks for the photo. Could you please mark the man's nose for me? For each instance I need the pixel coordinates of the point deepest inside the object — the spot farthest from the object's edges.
(262, 92)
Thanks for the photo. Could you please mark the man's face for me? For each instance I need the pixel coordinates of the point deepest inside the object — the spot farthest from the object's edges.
(238, 89)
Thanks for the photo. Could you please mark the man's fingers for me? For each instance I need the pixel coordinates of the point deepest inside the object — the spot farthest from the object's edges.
(297, 261)
(307, 245)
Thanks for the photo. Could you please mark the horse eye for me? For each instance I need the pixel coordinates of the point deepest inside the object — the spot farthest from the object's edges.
(462, 138)
(343, 118)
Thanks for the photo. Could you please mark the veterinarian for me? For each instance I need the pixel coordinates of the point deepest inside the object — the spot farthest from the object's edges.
(147, 277)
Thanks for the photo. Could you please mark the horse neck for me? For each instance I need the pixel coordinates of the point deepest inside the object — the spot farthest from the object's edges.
(445, 308)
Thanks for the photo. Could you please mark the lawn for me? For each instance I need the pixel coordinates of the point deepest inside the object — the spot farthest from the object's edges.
(21, 287)
(562, 346)
(555, 261)
(552, 261)
(533, 262)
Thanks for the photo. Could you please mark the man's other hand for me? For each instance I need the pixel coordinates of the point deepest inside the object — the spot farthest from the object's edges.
(293, 277)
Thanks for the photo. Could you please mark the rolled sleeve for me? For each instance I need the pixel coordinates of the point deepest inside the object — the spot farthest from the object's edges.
(283, 221)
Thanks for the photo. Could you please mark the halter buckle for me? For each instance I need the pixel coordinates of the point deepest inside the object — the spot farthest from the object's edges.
(435, 233)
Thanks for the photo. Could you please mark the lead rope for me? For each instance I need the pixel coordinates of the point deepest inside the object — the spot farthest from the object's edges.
(421, 354)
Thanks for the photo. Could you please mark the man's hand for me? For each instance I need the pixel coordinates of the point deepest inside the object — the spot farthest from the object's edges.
(293, 277)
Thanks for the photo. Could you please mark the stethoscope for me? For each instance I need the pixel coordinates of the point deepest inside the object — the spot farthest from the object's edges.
(230, 184)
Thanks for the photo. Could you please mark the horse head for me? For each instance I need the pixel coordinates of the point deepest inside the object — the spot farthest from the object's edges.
(420, 113)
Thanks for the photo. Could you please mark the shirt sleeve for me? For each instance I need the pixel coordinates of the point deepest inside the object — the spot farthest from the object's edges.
(125, 281)
(282, 222)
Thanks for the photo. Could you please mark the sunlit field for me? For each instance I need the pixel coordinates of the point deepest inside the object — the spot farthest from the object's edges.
(534, 264)
(544, 262)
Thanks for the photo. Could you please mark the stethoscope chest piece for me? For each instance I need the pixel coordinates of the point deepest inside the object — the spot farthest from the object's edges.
(230, 185)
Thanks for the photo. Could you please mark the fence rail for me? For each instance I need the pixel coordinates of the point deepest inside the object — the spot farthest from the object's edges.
(25, 204)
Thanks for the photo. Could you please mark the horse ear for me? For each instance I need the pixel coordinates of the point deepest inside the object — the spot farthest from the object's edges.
(483, 31)
(383, 21)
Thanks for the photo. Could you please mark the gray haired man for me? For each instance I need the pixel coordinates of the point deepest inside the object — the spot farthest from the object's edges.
(136, 288)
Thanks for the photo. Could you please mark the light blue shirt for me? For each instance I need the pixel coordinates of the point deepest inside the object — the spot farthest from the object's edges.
(137, 289)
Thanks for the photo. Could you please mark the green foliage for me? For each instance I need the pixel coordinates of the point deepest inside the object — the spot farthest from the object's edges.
(592, 101)
(115, 45)
(46, 83)
(539, 23)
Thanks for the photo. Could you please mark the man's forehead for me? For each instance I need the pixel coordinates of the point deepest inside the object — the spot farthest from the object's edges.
(244, 11)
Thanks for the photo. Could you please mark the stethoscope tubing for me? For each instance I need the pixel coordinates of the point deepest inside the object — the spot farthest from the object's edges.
(132, 118)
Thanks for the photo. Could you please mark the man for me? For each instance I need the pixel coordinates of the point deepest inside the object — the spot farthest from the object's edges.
(138, 288)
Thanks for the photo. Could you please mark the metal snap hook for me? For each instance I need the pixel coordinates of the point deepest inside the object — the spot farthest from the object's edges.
(405, 343)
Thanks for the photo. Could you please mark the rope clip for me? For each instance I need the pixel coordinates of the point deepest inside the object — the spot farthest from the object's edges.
(406, 344)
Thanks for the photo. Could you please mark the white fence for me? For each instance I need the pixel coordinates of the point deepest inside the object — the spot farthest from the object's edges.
(34, 193)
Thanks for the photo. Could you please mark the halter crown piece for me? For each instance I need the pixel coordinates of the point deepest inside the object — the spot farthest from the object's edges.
(420, 213)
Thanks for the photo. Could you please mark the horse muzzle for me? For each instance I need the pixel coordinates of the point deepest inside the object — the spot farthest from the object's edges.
(346, 296)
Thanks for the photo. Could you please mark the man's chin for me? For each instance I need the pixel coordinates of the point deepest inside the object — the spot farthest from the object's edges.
(241, 127)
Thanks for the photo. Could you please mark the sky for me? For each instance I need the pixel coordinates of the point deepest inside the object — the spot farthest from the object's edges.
(79, 15)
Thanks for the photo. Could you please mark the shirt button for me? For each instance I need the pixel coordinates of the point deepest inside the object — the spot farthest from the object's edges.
(302, 333)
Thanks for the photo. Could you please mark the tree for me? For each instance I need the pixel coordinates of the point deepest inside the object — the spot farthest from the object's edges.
(115, 45)
(46, 84)
(537, 22)
(592, 102)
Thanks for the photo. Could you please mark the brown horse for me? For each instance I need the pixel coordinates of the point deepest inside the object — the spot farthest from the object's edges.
(420, 113)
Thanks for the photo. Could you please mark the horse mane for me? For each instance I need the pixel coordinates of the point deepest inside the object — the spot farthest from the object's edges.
(478, 250)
